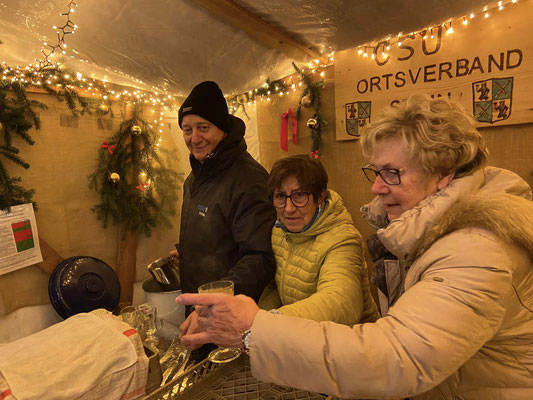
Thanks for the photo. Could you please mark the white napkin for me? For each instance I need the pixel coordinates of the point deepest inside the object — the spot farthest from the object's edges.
(65, 360)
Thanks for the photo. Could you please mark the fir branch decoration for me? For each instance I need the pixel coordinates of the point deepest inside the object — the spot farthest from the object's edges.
(17, 117)
(314, 90)
(270, 88)
(138, 192)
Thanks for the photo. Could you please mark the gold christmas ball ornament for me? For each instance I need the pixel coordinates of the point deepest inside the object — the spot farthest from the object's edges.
(136, 130)
(114, 177)
(102, 109)
(306, 101)
(242, 98)
(312, 123)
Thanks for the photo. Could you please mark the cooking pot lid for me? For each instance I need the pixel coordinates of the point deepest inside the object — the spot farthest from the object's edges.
(82, 284)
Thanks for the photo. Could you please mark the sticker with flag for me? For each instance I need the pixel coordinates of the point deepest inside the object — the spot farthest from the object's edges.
(23, 235)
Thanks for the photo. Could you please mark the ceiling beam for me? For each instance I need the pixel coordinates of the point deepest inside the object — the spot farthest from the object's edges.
(241, 18)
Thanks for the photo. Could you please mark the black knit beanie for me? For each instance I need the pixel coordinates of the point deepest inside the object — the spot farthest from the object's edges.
(207, 101)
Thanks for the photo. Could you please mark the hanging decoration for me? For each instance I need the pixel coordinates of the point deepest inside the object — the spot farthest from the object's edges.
(107, 146)
(306, 101)
(102, 109)
(311, 98)
(136, 130)
(142, 192)
(312, 123)
(114, 177)
(284, 135)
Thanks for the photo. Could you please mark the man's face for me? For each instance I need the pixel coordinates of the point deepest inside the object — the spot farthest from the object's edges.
(201, 136)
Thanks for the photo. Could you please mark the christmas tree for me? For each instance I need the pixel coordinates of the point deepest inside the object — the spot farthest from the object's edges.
(138, 191)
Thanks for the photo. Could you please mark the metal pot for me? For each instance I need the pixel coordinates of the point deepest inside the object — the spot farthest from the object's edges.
(165, 272)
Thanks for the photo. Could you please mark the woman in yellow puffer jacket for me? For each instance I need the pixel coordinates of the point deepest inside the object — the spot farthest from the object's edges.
(321, 273)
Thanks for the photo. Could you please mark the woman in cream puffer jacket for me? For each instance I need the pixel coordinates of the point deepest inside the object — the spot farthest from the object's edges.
(321, 273)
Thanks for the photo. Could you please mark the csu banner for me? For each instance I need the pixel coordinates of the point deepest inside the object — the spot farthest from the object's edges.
(485, 65)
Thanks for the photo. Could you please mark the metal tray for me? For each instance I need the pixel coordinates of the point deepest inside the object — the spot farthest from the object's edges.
(232, 381)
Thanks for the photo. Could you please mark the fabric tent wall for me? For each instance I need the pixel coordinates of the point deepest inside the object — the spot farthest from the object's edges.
(61, 160)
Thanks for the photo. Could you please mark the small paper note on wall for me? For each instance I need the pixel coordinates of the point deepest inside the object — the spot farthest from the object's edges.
(485, 65)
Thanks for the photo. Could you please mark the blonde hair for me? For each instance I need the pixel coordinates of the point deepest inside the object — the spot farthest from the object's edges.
(439, 134)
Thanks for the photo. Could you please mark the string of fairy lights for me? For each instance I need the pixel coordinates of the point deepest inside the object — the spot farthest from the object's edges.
(47, 70)
(51, 71)
(371, 50)
(381, 47)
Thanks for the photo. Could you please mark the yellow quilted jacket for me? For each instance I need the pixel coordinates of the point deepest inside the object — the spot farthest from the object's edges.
(321, 273)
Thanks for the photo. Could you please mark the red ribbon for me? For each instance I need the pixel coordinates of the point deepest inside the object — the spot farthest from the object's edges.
(314, 154)
(141, 186)
(109, 147)
(284, 137)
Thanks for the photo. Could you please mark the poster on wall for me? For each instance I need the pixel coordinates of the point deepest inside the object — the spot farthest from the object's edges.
(19, 240)
(481, 60)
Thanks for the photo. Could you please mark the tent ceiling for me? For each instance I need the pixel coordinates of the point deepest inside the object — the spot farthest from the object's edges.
(177, 43)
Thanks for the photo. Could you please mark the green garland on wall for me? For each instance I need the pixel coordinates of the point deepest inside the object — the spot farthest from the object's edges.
(138, 192)
(18, 116)
(310, 97)
(269, 88)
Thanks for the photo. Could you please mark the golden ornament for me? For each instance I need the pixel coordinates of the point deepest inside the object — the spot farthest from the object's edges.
(306, 101)
(242, 98)
(102, 109)
(136, 130)
(312, 123)
(114, 177)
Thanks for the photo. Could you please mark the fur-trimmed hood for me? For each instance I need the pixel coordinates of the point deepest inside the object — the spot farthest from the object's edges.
(508, 217)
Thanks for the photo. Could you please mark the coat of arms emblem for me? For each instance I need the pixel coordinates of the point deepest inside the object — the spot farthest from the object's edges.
(357, 116)
(492, 99)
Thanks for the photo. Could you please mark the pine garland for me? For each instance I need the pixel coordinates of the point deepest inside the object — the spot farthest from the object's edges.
(18, 116)
(270, 88)
(314, 91)
(146, 193)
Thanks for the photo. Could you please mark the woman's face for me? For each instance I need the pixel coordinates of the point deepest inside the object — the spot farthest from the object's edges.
(416, 184)
(292, 217)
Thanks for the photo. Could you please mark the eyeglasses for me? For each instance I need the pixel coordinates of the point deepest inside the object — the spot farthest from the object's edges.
(298, 199)
(391, 176)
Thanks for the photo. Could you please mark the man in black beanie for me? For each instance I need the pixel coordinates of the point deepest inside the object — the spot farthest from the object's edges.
(227, 215)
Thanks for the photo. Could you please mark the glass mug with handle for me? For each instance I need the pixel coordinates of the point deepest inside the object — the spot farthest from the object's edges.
(222, 354)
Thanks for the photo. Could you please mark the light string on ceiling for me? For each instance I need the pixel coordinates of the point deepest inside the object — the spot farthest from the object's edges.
(381, 47)
(372, 50)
